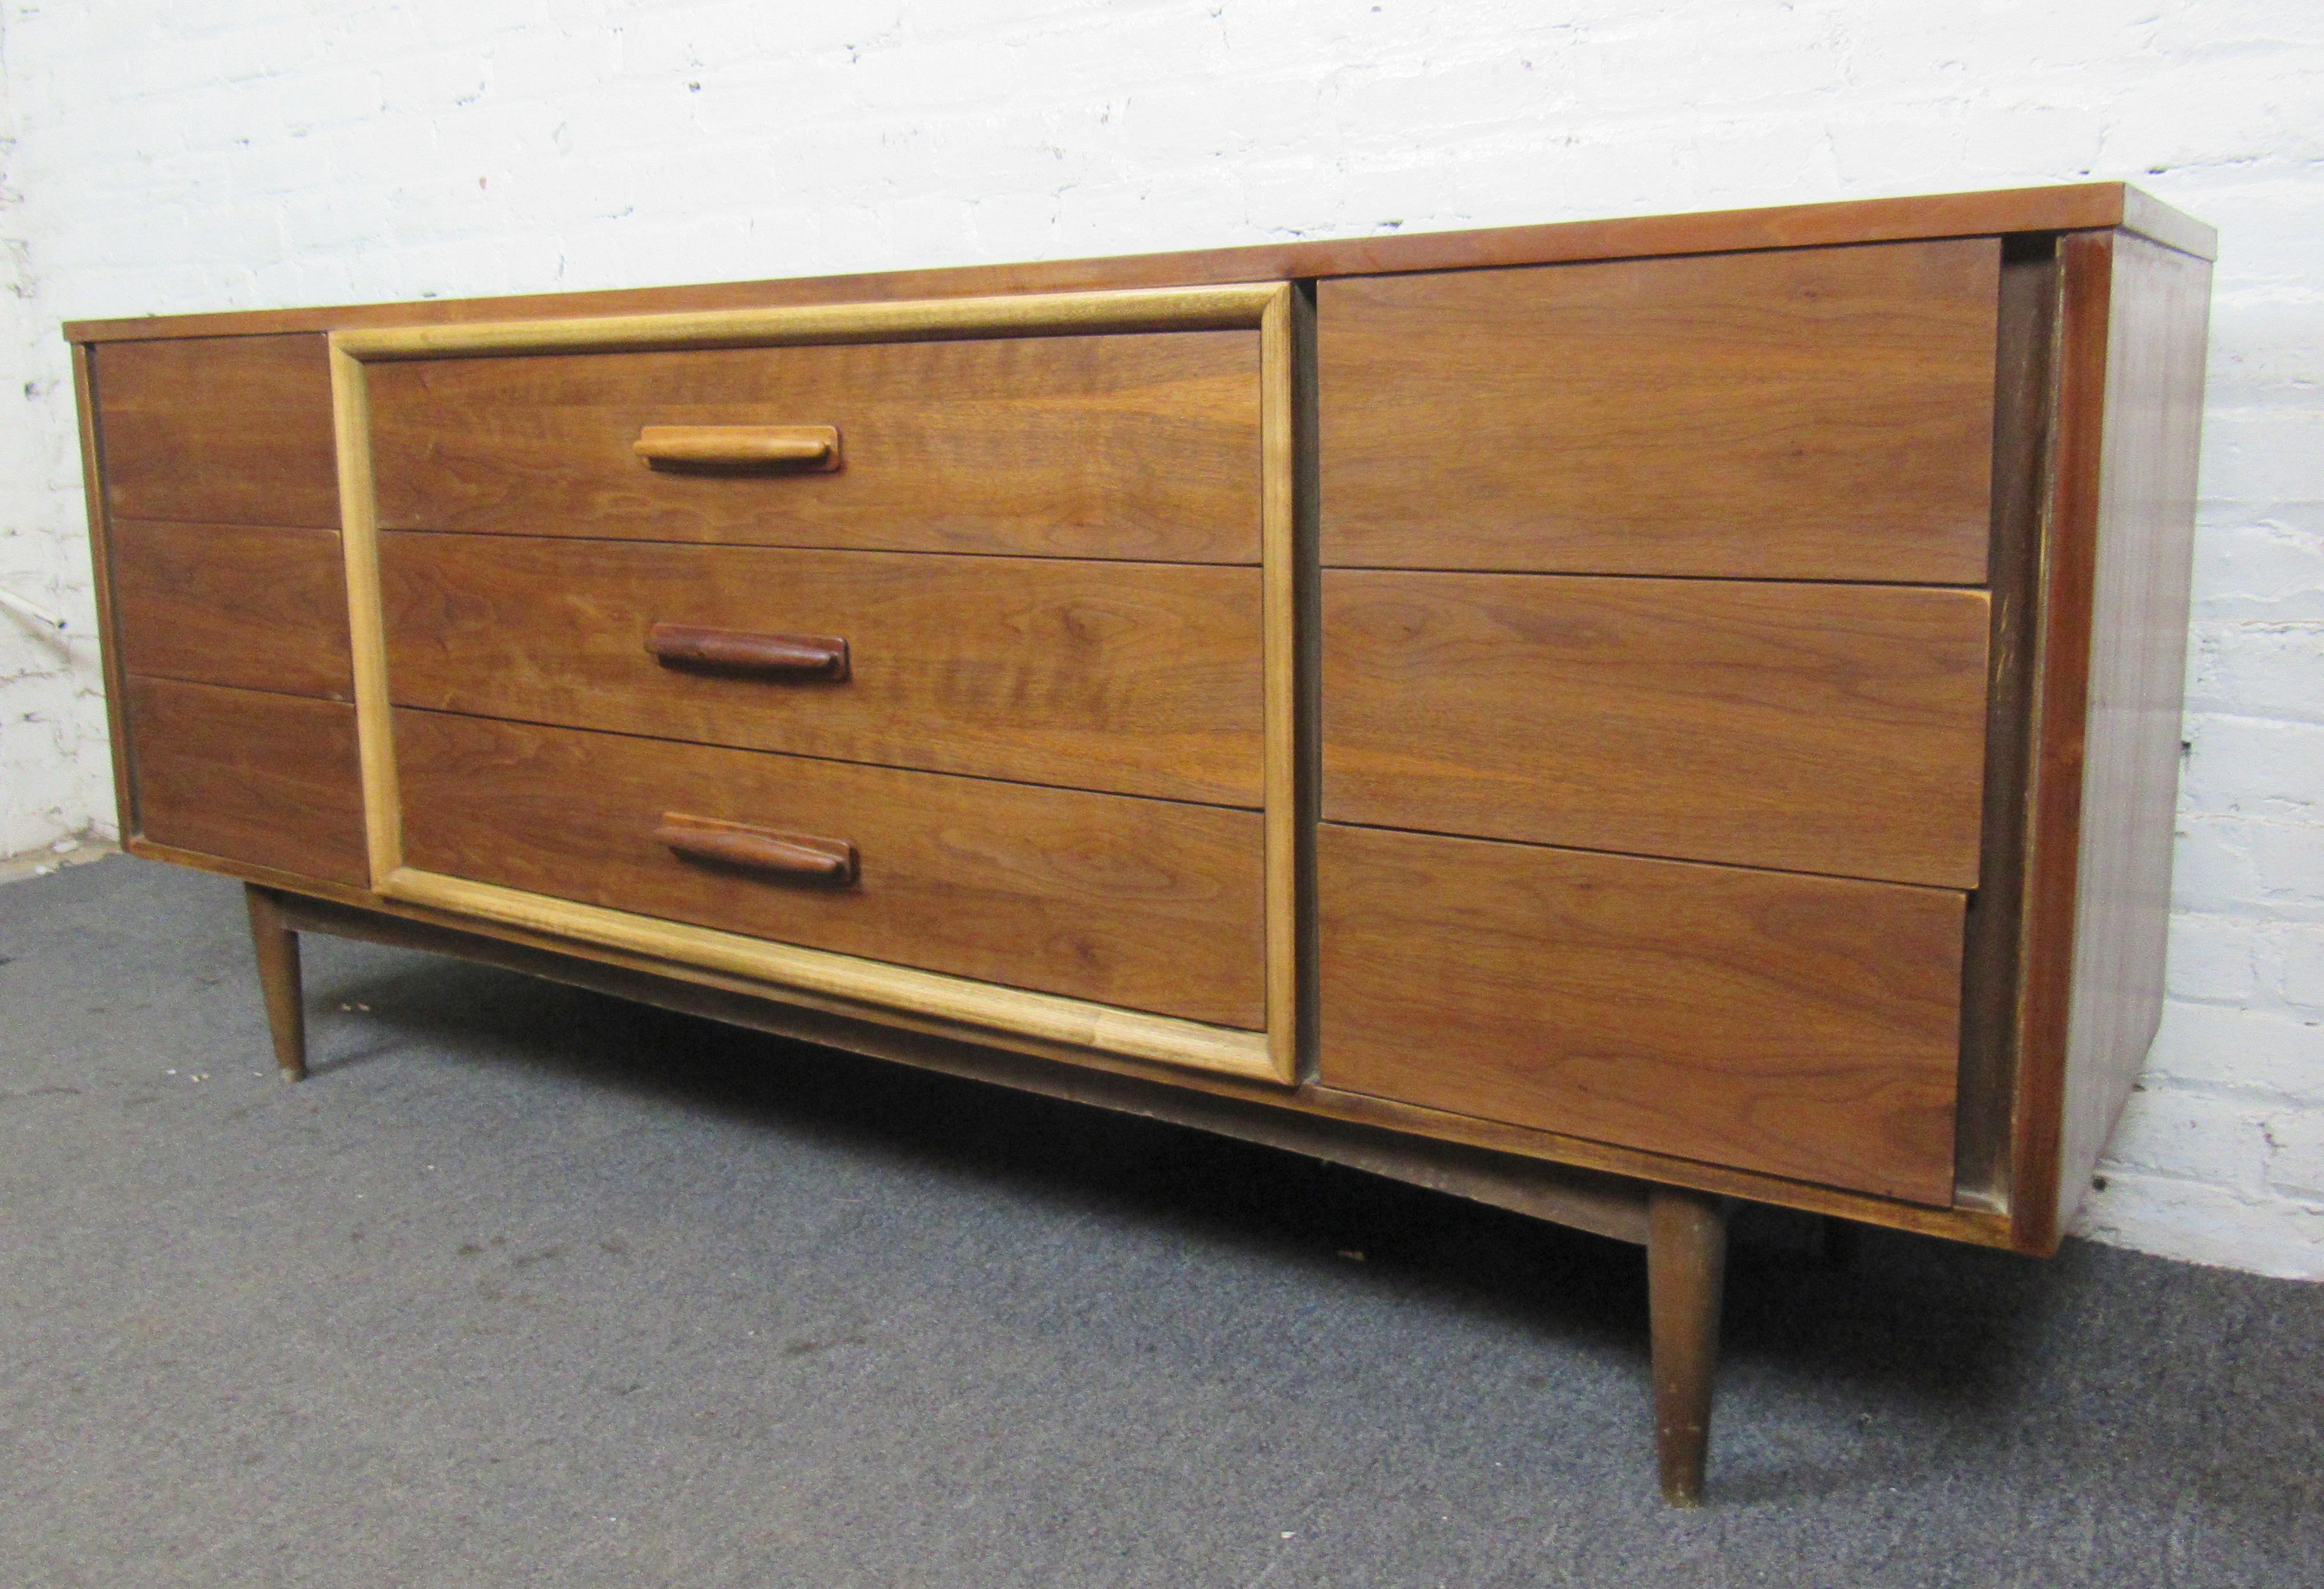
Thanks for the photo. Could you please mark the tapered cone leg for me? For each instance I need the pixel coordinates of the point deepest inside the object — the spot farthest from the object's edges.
(1686, 1267)
(278, 977)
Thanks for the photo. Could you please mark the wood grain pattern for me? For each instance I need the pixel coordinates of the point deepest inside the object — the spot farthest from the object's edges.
(1806, 1026)
(225, 430)
(1151, 905)
(1827, 728)
(1128, 447)
(1140, 678)
(1822, 414)
(259, 608)
(254, 778)
(2107, 735)
(2059, 208)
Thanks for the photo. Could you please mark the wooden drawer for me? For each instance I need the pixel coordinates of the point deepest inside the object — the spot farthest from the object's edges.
(1807, 1027)
(1134, 678)
(245, 775)
(1821, 413)
(218, 430)
(260, 607)
(1145, 904)
(1131, 445)
(1832, 728)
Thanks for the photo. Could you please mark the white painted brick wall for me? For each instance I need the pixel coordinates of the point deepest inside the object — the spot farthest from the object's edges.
(198, 155)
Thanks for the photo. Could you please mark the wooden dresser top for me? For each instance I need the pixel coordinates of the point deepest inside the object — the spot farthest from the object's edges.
(2076, 208)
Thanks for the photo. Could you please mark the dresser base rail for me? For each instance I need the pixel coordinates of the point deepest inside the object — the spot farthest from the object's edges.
(1683, 1232)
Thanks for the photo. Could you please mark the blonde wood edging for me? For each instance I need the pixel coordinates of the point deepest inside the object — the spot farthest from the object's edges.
(1272, 1055)
(974, 1004)
(1052, 314)
(366, 625)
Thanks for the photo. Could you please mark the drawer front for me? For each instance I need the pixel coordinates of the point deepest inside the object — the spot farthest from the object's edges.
(264, 608)
(1145, 904)
(218, 430)
(249, 776)
(1830, 728)
(1806, 1027)
(1818, 413)
(1134, 678)
(1143, 445)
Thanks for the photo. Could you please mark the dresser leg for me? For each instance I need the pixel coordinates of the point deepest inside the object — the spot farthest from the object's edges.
(278, 978)
(1686, 1267)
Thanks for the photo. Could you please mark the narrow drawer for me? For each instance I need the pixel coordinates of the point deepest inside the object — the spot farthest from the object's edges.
(1144, 904)
(218, 430)
(1831, 728)
(259, 608)
(1807, 1027)
(249, 776)
(1136, 679)
(1821, 413)
(1142, 446)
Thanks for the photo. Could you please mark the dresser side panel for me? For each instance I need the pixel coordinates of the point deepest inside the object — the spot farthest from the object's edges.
(2155, 359)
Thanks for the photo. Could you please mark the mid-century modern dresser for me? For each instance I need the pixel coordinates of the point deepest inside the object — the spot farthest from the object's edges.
(1605, 718)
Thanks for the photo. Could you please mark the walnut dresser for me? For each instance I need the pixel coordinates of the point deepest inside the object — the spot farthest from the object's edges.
(1607, 719)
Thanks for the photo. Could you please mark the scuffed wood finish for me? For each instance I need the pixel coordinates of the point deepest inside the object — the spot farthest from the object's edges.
(1831, 728)
(1802, 1026)
(259, 608)
(2024, 387)
(1133, 678)
(1151, 905)
(250, 777)
(2106, 734)
(1823, 414)
(1142, 446)
(2065, 207)
(276, 948)
(228, 431)
(1686, 1279)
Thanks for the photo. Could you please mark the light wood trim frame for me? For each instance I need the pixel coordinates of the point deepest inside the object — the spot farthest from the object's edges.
(1032, 314)
(1272, 1055)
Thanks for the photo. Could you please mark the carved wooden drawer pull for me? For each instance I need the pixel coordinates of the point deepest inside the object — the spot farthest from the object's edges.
(741, 650)
(758, 849)
(711, 447)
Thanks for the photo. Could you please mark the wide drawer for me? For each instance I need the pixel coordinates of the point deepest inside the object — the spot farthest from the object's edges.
(1818, 413)
(1133, 446)
(1807, 1027)
(1144, 904)
(1136, 679)
(1835, 728)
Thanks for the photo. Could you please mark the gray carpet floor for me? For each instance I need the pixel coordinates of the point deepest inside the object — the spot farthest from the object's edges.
(530, 1286)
